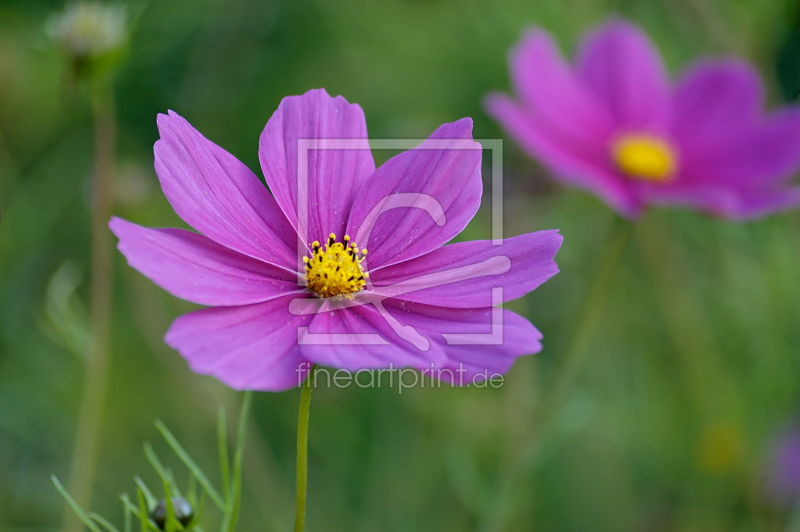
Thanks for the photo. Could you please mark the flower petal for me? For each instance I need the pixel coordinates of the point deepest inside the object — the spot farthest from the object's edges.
(196, 268)
(758, 156)
(219, 196)
(729, 202)
(732, 159)
(622, 68)
(550, 91)
(419, 200)
(584, 163)
(365, 337)
(252, 347)
(765, 202)
(713, 101)
(478, 342)
(463, 275)
(334, 175)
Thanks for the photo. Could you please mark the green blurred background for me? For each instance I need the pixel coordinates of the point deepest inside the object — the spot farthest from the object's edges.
(671, 418)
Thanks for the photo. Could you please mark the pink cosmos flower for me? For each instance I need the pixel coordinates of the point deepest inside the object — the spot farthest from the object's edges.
(614, 125)
(286, 274)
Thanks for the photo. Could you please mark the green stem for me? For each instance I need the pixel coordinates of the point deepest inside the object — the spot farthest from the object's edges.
(302, 452)
(84, 454)
(708, 378)
(588, 316)
(583, 326)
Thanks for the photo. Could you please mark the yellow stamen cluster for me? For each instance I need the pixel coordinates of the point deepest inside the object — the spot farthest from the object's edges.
(335, 270)
(645, 157)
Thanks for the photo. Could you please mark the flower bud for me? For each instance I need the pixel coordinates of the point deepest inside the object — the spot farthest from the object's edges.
(183, 512)
(90, 33)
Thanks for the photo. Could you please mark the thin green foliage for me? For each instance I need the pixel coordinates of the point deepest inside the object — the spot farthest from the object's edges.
(187, 460)
(191, 493)
(234, 499)
(142, 511)
(231, 480)
(65, 320)
(164, 473)
(171, 524)
(176, 492)
(193, 524)
(128, 504)
(103, 522)
(77, 509)
(127, 518)
(148, 495)
(152, 457)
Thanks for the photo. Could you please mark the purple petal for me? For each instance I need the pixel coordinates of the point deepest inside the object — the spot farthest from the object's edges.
(765, 154)
(561, 122)
(583, 163)
(619, 64)
(761, 203)
(783, 475)
(471, 359)
(713, 101)
(551, 93)
(361, 337)
(406, 334)
(219, 196)
(419, 200)
(196, 268)
(334, 175)
(252, 347)
(463, 275)
(728, 202)
(733, 160)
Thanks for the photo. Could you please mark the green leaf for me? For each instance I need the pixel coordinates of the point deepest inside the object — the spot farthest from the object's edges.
(136, 511)
(74, 505)
(148, 495)
(232, 509)
(173, 485)
(165, 474)
(142, 511)
(171, 524)
(191, 495)
(154, 461)
(65, 319)
(193, 524)
(186, 459)
(104, 522)
(127, 518)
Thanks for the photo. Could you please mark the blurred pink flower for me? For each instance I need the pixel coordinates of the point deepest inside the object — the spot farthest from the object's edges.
(783, 475)
(614, 125)
(407, 296)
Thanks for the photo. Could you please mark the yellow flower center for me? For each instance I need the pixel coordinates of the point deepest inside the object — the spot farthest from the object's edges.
(335, 270)
(644, 157)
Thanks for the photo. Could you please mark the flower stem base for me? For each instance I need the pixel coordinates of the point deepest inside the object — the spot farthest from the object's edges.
(302, 452)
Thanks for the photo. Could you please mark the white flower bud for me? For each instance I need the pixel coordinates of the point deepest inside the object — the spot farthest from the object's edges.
(90, 29)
